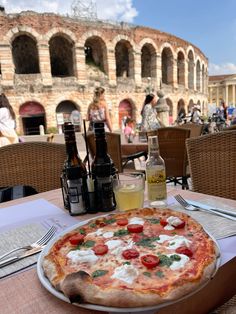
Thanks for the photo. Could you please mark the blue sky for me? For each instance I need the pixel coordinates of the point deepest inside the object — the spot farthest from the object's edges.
(208, 24)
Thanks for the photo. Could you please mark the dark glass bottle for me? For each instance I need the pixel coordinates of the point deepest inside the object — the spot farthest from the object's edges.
(103, 170)
(75, 173)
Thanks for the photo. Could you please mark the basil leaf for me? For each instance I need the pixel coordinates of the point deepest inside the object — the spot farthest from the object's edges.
(110, 221)
(89, 243)
(92, 225)
(147, 242)
(147, 274)
(126, 263)
(175, 257)
(154, 221)
(121, 232)
(82, 231)
(99, 273)
(159, 274)
(165, 260)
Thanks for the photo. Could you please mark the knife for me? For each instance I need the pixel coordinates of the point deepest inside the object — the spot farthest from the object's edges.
(208, 207)
(14, 259)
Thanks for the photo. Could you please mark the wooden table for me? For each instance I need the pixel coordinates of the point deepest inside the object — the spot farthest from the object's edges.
(132, 148)
(23, 293)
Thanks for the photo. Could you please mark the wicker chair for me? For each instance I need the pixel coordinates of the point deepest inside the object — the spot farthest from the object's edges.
(173, 151)
(114, 150)
(37, 164)
(212, 160)
(195, 129)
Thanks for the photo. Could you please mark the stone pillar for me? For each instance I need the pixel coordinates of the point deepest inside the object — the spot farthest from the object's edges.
(136, 68)
(159, 70)
(186, 74)
(226, 95)
(44, 63)
(111, 65)
(162, 109)
(175, 79)
(233, 94)
(7, 67)
(210, 95)
(80, 65)
(194, 77)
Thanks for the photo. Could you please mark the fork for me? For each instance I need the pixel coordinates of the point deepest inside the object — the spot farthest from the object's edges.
(39, 243)
(190, 207)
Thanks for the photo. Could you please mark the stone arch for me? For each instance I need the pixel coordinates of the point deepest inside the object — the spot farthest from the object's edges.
(22, 30)
(190, 69)
(124, 59)
(167, 45)
(167, 60)
(181, 68)
(60, 30)
(25, 54)
(148, 60)
(170, 104)
(198, 75)
(190, 105)
(32, 114)
(181, 104)
(68, 111)
(126, 108)
(62, 55)
(96, 52)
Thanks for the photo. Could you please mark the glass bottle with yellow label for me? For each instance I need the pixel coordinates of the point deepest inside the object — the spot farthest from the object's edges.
(155, 174)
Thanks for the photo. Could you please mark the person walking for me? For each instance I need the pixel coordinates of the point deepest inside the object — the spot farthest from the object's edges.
(7, 123)
(98, 110)
(150, 120)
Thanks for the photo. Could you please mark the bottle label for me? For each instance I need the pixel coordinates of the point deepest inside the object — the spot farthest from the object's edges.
(156, 183)
(104, 191)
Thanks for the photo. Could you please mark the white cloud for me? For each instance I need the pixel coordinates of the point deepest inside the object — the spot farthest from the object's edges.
(117, 10)
(225, 68)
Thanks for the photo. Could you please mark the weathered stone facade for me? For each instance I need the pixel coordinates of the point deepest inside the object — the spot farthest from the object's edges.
(49, 61)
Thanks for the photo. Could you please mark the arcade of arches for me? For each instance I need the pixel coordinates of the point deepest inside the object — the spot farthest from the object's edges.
(49, 74)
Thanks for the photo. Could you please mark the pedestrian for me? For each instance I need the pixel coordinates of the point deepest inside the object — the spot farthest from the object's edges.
(7, 122)
(129, 130)
(150, 120)
(196, 115)
(98, 110)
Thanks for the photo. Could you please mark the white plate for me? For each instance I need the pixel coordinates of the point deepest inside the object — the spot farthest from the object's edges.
(46, 283)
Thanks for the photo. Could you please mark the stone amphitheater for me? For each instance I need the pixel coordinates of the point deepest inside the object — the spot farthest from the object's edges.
(50, 65)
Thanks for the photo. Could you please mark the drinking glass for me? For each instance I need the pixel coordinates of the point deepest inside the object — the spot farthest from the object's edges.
(129, 190)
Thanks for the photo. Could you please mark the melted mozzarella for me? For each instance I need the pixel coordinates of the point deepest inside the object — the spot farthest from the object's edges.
(169, 227)
(82, 256)
(163, 238)
(126, 273)
(179, 264)
(178, 241)
(108, 234)
(136, 220)
(119, 249)
(112, 244)
(96, 233)
(174, 221)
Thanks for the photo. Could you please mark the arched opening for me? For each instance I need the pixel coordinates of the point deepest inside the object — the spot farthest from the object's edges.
(180, 105)
(148, 61)
(167, 66)
(190, 105)
(126, 109)
(67, 111)
(190, 70)
(96, 54)
(32, 114)
(181, 69)
(124, 59)
(25, 55)
(61, 56)
(170, 104)
(203, 78)
(198, 74)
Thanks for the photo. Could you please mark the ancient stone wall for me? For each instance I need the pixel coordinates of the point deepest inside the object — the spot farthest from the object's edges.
(49, 59)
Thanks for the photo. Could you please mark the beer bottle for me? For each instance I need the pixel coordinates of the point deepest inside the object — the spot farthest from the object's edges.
(155, 172)
(103, 171)
(75, 173)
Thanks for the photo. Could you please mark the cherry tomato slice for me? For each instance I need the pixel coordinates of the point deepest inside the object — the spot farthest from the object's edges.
(180, 225)
(100, 249)
(184, 250)
(135, 228)
(150, 261)
(77, 239)
(163, 222)
(122, 222)
(130, 253)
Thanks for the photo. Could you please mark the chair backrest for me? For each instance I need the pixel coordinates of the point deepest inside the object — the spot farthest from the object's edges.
(173, 150)
(38, 164)
(195, 129)
(212, 160)
(113, 147)
(230, 128)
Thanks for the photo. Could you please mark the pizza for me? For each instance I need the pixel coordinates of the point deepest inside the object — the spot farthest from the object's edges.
(137, 258)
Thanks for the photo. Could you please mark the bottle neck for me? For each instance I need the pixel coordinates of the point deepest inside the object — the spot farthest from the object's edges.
(153, 151)
(73, 158)
(101, 145)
